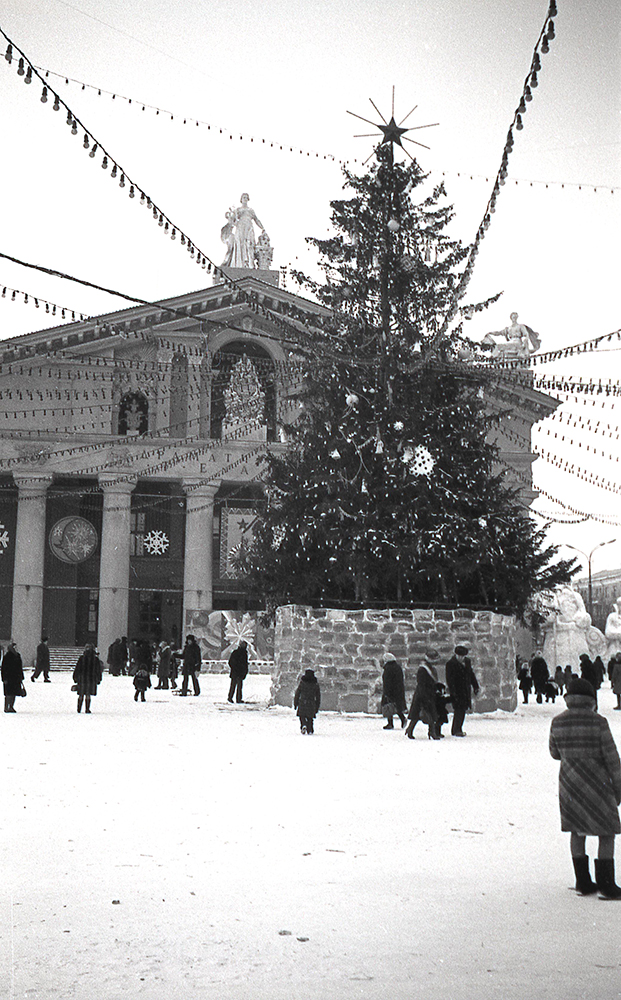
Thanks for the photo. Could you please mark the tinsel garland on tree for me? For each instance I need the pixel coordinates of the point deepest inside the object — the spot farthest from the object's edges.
(386, 491)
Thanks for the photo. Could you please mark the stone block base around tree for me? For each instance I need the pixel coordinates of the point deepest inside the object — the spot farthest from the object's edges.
(345, 649)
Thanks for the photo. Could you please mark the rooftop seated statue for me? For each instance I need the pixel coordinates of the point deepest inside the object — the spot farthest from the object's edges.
(519, 341)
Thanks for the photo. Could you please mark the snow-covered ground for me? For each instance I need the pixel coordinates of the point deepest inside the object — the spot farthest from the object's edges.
(188, 849)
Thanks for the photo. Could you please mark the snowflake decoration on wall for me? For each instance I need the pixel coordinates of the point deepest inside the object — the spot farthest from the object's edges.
(4, 538)
(156, 542)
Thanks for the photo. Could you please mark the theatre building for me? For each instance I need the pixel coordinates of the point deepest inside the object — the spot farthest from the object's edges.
(130, 463)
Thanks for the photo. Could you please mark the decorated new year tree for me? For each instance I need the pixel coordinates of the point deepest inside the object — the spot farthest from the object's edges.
(386, 491)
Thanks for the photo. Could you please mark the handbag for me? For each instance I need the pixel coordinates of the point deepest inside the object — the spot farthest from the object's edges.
(389, 709)
(74, 687)
(23, 692)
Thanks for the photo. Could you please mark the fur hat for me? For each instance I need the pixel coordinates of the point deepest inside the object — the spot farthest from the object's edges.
(461, 650)
(309, 675)
(580, 686)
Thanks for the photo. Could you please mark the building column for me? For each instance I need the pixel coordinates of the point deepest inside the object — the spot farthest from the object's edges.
(197, 571)
(27, 613)
(114, 561)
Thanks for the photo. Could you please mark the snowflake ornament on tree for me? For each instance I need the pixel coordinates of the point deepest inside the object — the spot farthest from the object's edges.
(156, 542)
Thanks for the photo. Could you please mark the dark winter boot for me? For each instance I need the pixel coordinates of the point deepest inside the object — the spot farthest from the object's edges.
(410, 730)
(389, 724)
(584, 883)
(605, 877)
(402, 717)
(80, 700)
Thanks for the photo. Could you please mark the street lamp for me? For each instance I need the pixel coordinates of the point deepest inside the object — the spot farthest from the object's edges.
(589, 557)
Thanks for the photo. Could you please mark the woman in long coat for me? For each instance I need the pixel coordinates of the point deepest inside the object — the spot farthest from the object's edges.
(164, 661)
(424, 704)
(616, 682)
(12, 676)
(87, 676)
(393, 693)
(589, 786)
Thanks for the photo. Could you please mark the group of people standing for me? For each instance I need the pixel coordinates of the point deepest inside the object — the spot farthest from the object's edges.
(140, 659)
(430, 700)
(535, 676)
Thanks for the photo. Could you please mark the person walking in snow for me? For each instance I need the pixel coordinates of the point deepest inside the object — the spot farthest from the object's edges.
(589, 786)
(87, 677)
(393, 693)
(540, 674)
(191, 659)
(461, 682)
(238, 669)
(307, 700)
(525, 682)
(12, 673)
(559, 678)
(142, 681)
(424, 705)
(42, 661)
(616, 682)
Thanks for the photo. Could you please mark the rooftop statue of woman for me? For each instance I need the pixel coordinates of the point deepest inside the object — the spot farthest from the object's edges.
(244, 241)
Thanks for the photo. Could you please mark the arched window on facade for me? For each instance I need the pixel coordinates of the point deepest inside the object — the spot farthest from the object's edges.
(243, 392)
(134, 414)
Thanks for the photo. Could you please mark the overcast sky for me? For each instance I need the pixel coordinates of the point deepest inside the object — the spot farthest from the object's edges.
(287, 72)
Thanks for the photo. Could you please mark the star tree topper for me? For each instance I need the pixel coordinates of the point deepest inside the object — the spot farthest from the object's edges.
(392, 132)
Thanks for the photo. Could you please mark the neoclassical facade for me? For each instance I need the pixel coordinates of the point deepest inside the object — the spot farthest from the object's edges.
(131, 449)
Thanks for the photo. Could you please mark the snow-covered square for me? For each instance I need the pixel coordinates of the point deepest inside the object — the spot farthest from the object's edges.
(188, 849)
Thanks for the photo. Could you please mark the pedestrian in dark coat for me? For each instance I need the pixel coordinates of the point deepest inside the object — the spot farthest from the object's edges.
(42, 661)
(12, 676)
(461, 682)
(559, 678)
(393, 693)
(117, 657)
(307, 700)
(164, 661)
(142, 681)
(589, 786)
(238, 664)
(600, 669)
(588, 672)
(540, 674)
(424, 705)
(525, 683)
(87, 676)
(616, 683)
(191, 659)
(611, 664)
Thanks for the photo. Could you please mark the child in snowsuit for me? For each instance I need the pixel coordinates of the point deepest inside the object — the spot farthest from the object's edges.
(306, 700)
(550, 689)
(589, 786)
(142, 681)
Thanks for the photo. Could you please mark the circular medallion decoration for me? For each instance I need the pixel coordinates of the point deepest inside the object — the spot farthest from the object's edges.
(73, 539)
